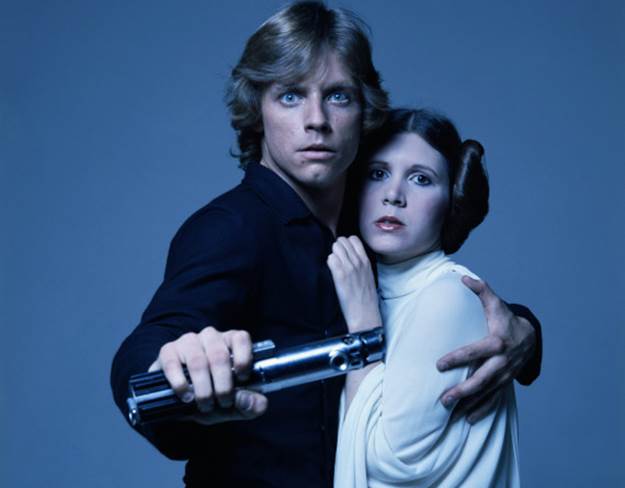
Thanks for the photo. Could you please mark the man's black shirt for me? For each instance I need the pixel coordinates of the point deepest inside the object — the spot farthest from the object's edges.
(253, 259)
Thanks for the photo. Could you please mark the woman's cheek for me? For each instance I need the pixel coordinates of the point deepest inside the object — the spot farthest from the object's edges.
(436, 210)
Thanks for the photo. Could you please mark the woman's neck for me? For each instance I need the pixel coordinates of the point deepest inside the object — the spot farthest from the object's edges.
(400, 258)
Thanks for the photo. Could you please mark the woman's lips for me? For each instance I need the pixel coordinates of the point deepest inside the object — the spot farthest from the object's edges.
(389, 223)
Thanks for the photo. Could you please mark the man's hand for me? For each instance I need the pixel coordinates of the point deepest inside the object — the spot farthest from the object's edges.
(211, 358)
(502, 353)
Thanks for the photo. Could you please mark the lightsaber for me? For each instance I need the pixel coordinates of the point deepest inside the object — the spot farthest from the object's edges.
(152, 399)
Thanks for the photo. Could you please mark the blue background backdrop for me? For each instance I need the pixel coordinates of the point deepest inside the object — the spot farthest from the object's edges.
(113, 130)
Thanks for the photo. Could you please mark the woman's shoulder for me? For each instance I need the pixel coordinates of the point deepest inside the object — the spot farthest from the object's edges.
(445, 287)
(449, 304)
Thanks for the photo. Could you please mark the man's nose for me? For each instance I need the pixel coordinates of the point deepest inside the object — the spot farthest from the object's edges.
(394, 195)
(317, 117)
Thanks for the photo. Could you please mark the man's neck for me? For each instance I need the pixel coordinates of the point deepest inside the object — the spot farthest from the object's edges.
(325, 203)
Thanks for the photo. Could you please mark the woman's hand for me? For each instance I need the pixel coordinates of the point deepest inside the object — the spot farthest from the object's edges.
(354, 283)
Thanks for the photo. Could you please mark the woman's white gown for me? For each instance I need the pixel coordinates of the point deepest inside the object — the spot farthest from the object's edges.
(396, 431)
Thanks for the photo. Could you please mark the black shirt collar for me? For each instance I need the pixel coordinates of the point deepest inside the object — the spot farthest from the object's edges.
(276, 193)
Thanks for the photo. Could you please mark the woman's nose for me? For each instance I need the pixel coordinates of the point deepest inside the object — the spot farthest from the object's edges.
(394, 196)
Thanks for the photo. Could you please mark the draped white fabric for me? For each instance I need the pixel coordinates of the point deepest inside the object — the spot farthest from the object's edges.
(396, 432)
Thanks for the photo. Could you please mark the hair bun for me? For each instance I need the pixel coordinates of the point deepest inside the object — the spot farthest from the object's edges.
(469, 197)
(471, 150)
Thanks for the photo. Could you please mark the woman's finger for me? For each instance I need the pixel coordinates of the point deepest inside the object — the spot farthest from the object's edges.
(347, 254)
(358, 248)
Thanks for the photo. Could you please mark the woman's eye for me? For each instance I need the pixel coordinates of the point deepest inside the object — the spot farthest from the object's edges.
(377, 174)
(421, 179)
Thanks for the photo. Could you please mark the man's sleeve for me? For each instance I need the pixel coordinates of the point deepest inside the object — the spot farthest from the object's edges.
(208, 281)
(531, 370)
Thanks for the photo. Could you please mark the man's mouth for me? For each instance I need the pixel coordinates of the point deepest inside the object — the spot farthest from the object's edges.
(389, 223)
(317, 152)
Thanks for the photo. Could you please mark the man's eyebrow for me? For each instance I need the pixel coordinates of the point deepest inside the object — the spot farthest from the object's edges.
(341, 86)
(280, 87)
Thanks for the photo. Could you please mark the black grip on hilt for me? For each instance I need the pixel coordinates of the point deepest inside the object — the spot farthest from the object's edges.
(152, 399)
(157, 399)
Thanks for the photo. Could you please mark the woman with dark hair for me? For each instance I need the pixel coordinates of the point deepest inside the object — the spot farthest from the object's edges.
(423, 191)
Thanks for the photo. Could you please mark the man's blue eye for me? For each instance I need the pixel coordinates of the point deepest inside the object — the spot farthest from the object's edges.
(289, 98)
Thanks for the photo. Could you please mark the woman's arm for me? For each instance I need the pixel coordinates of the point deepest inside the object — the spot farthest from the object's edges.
(414, 425)
(396, 423)
(358, 297)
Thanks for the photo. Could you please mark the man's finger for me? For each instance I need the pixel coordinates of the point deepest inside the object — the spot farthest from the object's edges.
(480, 410)
(486, 295)
(468, 404)
(240, 343)
(484, 348)
(250, 404)
(219, 364)
(475, 384)
(197, 366)
(247, 405)
(155, 366)
(171, 364)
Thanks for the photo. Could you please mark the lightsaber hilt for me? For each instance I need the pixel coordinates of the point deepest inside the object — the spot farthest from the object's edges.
(152, 399)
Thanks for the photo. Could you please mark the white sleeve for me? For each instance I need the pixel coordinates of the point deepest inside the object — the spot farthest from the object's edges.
(413, 437)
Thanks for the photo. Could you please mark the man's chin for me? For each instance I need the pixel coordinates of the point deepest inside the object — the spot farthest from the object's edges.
(323, 177)
(323, 182)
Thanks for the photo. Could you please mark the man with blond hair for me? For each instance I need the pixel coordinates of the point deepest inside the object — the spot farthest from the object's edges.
(251, 265)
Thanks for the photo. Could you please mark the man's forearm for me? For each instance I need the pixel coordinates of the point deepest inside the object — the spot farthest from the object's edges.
(135, 355)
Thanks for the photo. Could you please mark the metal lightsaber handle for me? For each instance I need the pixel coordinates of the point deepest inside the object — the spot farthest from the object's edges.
(151, 398)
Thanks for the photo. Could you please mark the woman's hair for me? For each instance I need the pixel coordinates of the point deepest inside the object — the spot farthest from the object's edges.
(286, 48)
(468, 181)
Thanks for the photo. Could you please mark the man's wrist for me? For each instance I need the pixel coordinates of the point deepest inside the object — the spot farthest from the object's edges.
(531, 369)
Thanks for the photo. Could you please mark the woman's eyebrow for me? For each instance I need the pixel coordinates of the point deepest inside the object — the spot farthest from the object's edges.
(377, 162)
(423, 167)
